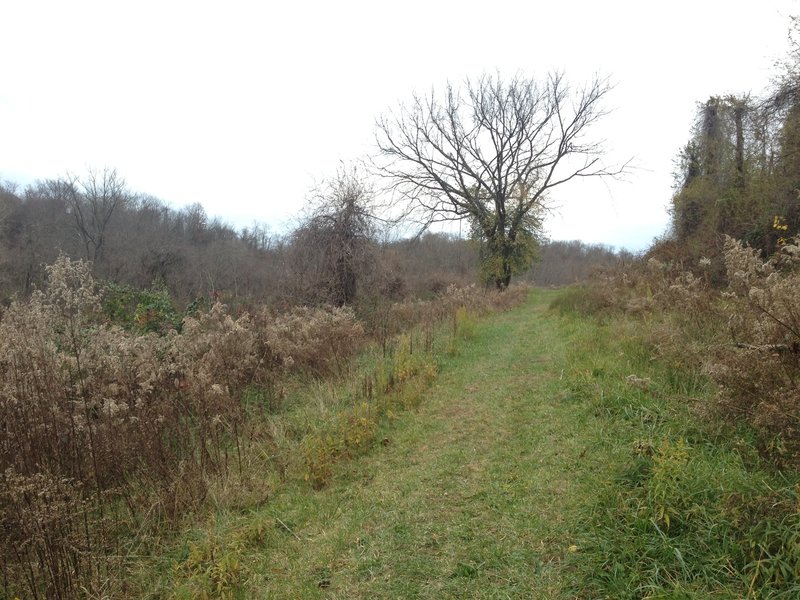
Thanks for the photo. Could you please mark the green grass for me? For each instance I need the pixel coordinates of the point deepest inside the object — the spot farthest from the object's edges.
(692, 512)
(532, 467)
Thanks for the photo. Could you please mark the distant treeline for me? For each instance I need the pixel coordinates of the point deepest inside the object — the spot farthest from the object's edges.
(563, 263)
(140, 241)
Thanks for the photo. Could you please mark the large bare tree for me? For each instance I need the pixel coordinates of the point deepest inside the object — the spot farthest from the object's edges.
(490, 153)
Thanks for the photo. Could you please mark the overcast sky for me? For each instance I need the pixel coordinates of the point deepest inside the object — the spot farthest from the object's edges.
(244, 106)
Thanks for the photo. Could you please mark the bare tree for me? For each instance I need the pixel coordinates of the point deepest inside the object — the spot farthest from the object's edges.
(36, 230)
(92, 201)
(490, 154)
(8, 197)
(8, 201)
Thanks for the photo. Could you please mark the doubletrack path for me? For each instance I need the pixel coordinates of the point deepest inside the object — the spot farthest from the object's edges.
(475, 495)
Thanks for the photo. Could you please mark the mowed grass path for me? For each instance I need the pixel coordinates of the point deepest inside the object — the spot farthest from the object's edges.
(475, 495)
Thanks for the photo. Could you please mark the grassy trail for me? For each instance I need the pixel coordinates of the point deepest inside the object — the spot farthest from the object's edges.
(474, 496)
(553, 457)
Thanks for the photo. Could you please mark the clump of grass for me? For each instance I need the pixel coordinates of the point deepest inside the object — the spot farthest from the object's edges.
(582, 299)
(213, 565)
(464, 324)
(350, 434)
(688, 519)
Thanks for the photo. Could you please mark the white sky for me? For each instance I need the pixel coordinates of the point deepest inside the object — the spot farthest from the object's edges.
(244, 106)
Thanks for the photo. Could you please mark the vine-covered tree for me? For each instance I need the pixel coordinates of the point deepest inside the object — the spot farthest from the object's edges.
(333, 246)
(490, 153)
(737, 175)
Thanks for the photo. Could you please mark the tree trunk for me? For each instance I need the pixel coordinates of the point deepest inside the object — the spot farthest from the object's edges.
(502, 281)
(738, 114)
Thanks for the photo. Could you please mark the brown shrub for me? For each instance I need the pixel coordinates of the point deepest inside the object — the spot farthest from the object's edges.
(317, 340)
(93, 415)
(759, 372)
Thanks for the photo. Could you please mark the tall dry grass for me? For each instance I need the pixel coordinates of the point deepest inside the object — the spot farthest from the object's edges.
(104, 427)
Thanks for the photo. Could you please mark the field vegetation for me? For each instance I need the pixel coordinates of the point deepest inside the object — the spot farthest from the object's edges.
(135, 400)
(119, 419)
(192, 411)
(700, 383)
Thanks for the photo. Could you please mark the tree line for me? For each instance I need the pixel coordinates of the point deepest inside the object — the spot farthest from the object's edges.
(140, 241)
(337, 254)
